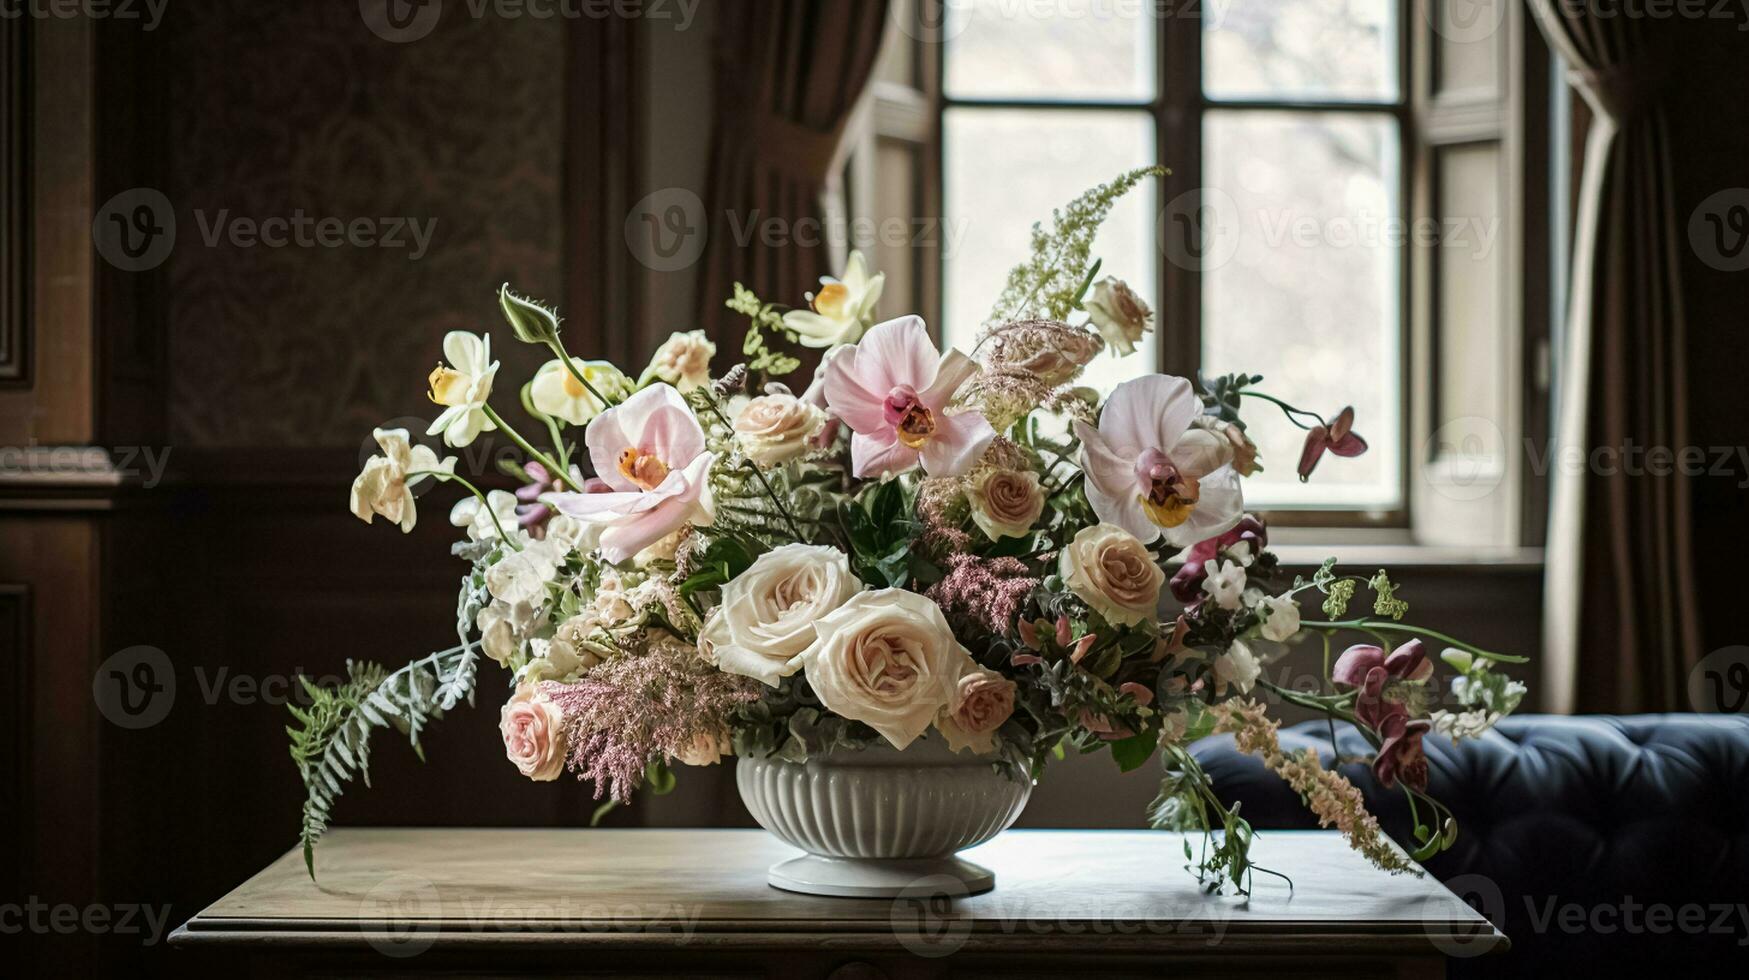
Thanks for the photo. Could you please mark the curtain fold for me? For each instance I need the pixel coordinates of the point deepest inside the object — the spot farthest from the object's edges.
(1621, 627)
(789, 76)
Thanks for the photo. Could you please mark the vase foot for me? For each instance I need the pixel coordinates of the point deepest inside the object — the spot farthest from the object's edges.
(814, 874)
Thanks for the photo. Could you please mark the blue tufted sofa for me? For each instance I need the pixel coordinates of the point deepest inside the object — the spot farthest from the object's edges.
(1602, 846)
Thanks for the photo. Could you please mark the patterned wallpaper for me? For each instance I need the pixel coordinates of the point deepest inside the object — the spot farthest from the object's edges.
(281, 107)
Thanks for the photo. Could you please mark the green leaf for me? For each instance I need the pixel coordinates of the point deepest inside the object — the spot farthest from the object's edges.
(1133, 752)
(659, 778)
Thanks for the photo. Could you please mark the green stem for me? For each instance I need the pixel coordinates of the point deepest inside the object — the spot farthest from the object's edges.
(1376, 626)
(757, 472)
(1287, 409)
(558, 348)
(559, 472)
(445, 475)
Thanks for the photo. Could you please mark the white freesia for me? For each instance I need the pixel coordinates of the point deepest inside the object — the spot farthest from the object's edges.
(1238, 668)
(887, 659)
(1225, 584)
(384, 486)
(555, 390)
(683, 360)
(463, 387)
(842, 309)
(1281, 618)
(768, 612)
(478, 519)
(523, 576)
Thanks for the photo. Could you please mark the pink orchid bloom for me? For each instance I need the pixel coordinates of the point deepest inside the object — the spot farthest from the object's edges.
(1150, 472)
(650, 451)
(1338, 437)
(893, 392)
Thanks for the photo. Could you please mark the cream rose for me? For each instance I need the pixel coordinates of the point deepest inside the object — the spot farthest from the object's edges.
(534, 735)
(1006, 503)
(705, 749)
(768, 612)
(776, 428)
(1113, 573)
(887, 659)
(1119, 314)
(983, 700)
(683, 360)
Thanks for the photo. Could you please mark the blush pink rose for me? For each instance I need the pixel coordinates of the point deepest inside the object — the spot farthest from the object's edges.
(534, 737)
(983, 700)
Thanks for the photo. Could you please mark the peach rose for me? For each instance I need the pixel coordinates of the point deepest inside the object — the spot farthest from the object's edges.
(887, 659)
(534, 737)
(1113, 573)
(776, 428)
(1006, 503)
(982, 702)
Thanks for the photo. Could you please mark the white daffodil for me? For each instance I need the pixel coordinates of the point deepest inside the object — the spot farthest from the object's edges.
(1225, 584)
(462, 387)
(384, 485)
(555, 391)
(842, 309)
(468, 513)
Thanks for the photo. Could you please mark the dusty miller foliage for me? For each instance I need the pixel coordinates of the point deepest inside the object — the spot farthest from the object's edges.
(1049, 284)
(331, 742)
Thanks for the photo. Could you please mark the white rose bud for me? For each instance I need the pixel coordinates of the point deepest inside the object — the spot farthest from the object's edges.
(776, 428)
(1119, 314)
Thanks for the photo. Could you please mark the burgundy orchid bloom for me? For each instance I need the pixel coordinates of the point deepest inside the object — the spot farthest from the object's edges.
(1338, 437)
(1367, 669)
(531, 514)
(1187, 581)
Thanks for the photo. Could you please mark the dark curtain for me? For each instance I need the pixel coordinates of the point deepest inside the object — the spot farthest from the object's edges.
(789, 75)
(1622, 627)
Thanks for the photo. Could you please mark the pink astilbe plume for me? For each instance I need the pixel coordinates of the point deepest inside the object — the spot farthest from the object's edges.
(640, 707)
(986, 591)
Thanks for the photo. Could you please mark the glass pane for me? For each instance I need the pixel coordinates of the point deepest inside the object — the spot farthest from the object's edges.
(1301, 284)
(1301, 49)
(1001, 49)
(1007, 168)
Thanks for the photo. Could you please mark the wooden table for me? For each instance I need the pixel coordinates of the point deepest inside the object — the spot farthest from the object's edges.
(695, 903)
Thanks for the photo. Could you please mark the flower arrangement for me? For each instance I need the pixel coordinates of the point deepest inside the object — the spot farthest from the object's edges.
(915, 544)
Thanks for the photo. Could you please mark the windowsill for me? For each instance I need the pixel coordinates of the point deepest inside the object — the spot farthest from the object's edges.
(1391, 548)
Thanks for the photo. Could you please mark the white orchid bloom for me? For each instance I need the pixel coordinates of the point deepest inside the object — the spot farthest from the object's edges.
(462, 388)
(842, 309)
(384, 486)
(1152, 473)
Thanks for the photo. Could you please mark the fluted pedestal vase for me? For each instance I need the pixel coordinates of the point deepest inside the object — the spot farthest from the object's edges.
(877, 821)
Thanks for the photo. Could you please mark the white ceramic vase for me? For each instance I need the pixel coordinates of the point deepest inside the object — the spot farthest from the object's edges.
(877, 821)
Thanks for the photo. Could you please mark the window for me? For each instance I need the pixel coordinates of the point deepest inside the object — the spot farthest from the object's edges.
(1340, 217)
